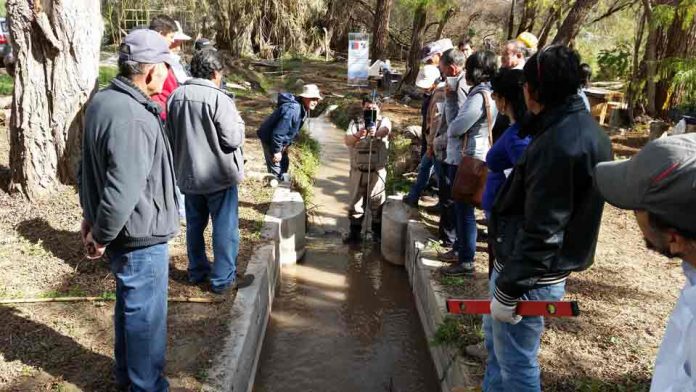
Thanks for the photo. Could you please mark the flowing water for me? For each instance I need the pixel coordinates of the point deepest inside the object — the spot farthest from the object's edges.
(344, 319)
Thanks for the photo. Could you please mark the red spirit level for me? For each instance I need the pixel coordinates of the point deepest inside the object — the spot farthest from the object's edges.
(524, 308)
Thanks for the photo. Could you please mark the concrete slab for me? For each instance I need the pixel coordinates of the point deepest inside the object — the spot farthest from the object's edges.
(235, 367)
(430, 302)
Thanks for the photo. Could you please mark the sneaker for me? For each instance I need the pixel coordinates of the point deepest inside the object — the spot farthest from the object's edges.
(477, 351)
(459, 269)
(451, 256)
(410, 202)
(195, 281)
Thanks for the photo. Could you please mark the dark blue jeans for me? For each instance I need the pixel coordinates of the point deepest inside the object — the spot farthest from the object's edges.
(446, 227)
(425, 170)
(140, 316)
(465, 224)
(222, 207)
(280, 168)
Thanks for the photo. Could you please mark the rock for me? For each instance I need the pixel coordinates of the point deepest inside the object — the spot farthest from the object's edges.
(299, 83)
(658, 129)
(413, 131)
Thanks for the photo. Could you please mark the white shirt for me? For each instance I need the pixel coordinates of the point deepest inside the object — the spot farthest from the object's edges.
(675, 367)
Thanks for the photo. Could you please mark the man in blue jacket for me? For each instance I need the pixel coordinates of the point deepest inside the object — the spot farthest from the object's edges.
(282, 127)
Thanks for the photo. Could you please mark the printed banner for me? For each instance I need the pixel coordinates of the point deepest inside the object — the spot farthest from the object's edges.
(358, 58)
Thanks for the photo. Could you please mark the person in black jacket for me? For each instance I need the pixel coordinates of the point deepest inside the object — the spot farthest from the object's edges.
(545, 220)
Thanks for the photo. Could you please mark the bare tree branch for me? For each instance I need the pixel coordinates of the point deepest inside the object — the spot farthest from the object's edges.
(618, 7)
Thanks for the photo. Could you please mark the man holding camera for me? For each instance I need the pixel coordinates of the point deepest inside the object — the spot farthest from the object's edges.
(367, 139)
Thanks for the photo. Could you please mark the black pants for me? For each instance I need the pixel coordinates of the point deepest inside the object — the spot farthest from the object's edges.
(446, 228)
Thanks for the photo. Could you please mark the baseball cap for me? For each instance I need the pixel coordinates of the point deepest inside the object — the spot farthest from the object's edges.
(179, 34)
(146, 47)
(660, 179)
(430, 50)
(427, 76)
(445, 44)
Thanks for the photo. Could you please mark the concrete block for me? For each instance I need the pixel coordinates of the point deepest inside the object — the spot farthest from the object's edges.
(286, 225)
(430, 302)
(394, 222)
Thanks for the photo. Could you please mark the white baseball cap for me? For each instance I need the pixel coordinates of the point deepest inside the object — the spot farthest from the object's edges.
(427, 76)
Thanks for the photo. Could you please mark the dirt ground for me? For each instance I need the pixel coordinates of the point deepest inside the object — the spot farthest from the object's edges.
(69, 346)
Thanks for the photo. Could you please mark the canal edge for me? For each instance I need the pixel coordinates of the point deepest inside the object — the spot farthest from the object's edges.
(234, 368)
(431, 307)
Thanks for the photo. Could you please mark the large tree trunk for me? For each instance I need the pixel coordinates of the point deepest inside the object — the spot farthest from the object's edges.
(56, 44)
(632, 86)
(650, 57)
(680, 45)
(553, 17)
(380, 35)
(443, 22)
(414, 54)
(511, 19)
(573, 21)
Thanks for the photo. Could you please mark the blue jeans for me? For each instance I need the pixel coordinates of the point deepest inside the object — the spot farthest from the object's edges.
(140, 316)
(280, 168)
(512, 364)
(425, 170)
(465, 224)
(223, 208)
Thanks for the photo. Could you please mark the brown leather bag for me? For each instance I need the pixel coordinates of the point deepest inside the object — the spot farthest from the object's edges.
(472, 173)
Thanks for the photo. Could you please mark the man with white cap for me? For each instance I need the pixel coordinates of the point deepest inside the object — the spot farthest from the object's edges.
(428, 80)
(659, 185)
(281, 128)
(126, 186)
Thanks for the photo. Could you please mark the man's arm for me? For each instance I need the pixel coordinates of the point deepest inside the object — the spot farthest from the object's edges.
(130, 151)
(229, 124)
(549, 200)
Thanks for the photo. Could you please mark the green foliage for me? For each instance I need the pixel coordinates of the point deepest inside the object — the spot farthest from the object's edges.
(106, 75)
(6, 84)
(683, 74)
(304, 165)
(400, 146)
(663, 15)
(614, 63)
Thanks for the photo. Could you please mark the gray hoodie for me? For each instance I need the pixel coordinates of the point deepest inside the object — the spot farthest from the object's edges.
(473, 122)
(207, 134)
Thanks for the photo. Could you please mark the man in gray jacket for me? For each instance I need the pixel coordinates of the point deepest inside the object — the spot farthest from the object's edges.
(207, 134)
(126, 185)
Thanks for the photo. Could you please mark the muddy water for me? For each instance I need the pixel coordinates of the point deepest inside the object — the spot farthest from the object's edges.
(344, 319)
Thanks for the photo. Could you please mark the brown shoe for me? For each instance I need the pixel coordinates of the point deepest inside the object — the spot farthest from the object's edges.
(450, 256)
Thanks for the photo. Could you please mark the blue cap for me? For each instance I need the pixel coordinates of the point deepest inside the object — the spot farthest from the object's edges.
(146, 47)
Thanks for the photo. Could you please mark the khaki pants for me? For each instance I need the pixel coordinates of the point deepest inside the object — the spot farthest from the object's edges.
(358, 190)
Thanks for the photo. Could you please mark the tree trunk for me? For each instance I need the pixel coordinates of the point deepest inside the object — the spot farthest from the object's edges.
(650, 58)
(573, 21)
(632, 86)
(380, 35)
(679, 46)
(414, 54)
(443, 22)
(553, 17)
(511, 19)
(57, 46)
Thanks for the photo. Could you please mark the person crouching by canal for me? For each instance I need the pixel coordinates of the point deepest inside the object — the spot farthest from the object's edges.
(207, 134)
(367, 140)
(283, 126)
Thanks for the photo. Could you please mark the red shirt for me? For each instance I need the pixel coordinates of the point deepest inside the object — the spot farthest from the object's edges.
(170, 84)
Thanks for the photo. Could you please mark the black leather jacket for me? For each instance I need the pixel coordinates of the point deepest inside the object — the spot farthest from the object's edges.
(545, 220)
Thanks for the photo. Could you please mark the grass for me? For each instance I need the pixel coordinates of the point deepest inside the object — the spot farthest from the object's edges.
(106, 74)
(6, 84)
(399, 148)
(458, 332)
(304, 165)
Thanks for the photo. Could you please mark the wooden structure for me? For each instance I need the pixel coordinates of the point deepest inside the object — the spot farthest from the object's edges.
(603, 102)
